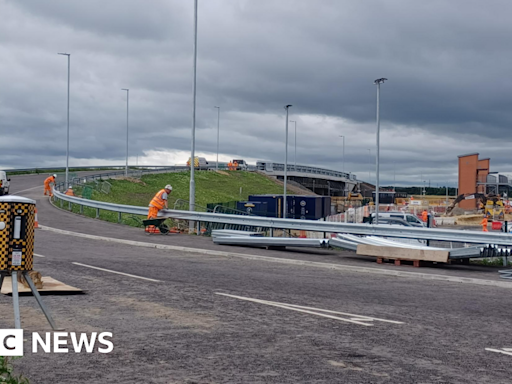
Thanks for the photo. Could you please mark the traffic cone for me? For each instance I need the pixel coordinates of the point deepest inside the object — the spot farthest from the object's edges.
(36, 223)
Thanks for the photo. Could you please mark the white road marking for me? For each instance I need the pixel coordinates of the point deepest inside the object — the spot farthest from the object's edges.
(35, 254)
(506, 351)
(355, 319)
(119, 273)
(30, 189)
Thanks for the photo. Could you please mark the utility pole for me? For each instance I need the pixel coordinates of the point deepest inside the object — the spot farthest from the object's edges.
(285, 167)
(218, 133)
(127, 113)
(378, 82)
(192, 196)
(343, 166)
(67, 147)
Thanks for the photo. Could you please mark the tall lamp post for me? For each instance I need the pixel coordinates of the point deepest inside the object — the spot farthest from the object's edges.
(285, 167)
(127, 130)
(67, 147)
(369, 165)
(218, 133)
(378, 82)
(343, 169)
(192, 196)
(295, 157)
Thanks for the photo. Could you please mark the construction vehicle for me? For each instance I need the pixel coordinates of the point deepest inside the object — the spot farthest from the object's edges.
(481, 200)
(199, 163)
(240, 165)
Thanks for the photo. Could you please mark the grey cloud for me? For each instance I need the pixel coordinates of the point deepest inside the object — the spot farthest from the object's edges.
(447, 64)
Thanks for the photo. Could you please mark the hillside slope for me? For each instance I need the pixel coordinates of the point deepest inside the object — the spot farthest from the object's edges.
(211, 187)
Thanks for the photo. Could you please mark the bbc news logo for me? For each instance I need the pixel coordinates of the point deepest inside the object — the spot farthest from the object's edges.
(11, 342)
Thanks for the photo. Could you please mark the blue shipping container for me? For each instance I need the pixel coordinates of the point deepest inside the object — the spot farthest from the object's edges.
(309, 207)
(257, 208)
(274, 204)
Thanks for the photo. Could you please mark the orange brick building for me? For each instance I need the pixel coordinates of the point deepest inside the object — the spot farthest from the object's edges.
(472, 171)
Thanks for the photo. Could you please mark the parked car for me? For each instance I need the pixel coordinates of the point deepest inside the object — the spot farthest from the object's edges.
(408, 217)
(398, 222)
(4, 183)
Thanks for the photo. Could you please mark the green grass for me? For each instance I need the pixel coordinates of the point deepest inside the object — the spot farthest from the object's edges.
(491, 262)
(211, 187)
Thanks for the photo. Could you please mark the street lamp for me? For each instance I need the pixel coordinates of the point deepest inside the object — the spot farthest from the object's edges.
(67, 147)
(285, 166)
(343, 137)
(295, 157)
(127, 113)
(369, 165)
(192, 196)
(378, 82)
(218, 130)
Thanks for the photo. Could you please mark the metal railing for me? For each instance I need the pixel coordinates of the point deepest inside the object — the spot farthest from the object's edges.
(473, 237)
(279, 167)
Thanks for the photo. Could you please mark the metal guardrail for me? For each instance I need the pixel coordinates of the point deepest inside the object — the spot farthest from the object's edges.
(268, 166)
(473, 237)
(136, 173)
(506, 274)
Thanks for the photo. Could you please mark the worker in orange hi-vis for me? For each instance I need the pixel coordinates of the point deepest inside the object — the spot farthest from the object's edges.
(47, 182)
(484, 224)
(159, 202)
(424, 216)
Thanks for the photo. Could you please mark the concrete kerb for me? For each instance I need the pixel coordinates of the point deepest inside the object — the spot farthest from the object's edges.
(378, 271)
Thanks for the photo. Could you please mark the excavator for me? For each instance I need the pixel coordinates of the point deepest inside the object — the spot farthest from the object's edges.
(479, 197)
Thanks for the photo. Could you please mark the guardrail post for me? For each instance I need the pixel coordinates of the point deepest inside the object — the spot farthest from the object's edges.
(119, 218)
(61, 203)
(81, 209)
(97, 213)
(69, 206)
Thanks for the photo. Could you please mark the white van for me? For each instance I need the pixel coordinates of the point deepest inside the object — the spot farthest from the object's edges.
(4, 183)
(409, 217)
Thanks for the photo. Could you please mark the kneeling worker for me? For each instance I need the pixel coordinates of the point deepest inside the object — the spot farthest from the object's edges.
(159, 202)
(47, 182)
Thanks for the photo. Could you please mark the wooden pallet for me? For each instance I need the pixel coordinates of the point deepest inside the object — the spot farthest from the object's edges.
(415, 263)
(416, 256)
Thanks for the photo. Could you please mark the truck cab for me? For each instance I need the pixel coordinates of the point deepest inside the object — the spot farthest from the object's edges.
(242, 165)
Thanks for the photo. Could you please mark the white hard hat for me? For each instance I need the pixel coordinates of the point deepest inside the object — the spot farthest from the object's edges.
(168, 186)
(55, 175)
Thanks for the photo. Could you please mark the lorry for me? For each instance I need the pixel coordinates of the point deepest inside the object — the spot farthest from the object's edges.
(199, 163)
(241, 165)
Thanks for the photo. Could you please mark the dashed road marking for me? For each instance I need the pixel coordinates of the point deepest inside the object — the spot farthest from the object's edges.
(116, 272)
(38, 255)
(350, 317)
(506, 351)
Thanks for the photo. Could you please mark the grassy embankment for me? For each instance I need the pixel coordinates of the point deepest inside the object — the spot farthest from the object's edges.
(211, 187)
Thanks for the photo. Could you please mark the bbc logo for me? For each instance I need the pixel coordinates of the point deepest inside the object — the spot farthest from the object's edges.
(11, 342)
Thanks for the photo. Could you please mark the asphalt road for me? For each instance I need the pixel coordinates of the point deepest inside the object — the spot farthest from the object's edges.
(179, 329)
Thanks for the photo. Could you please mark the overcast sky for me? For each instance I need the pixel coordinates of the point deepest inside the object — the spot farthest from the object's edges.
(448, 64)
